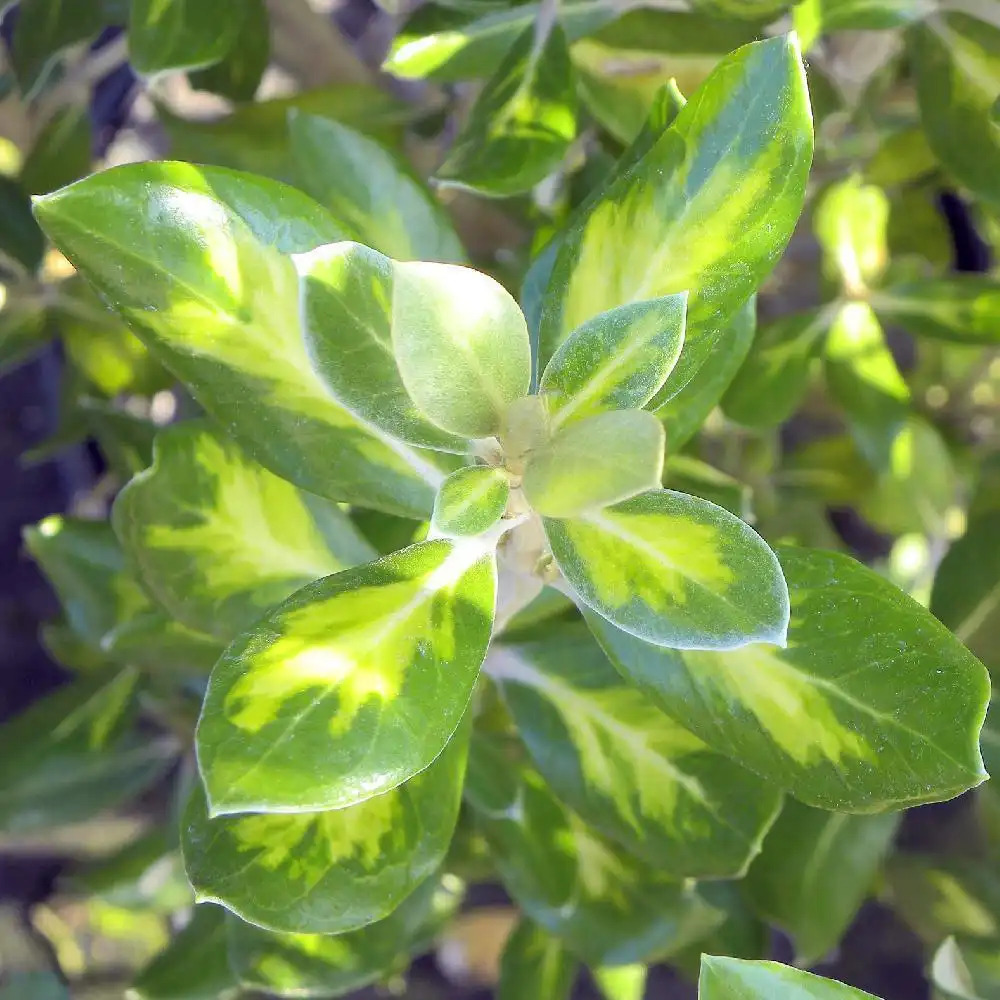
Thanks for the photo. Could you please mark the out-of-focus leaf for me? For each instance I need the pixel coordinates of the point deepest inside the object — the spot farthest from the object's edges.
(850, 223)
(966, 971)
(371, 194)
(237, 76)
(814, 872)
(61, 152)
(522, 123)
(536, 965)
(963, 308)
(23, 330)
(20, 238)
(182, 34)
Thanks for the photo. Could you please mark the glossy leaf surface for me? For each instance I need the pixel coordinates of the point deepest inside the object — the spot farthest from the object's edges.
(626, 768)
(735, 979)
(327, 872)
(523, 121)
(369, 191)
(815, 871)
(824, 717)
(218, 539)
(351, 686)
(196, 259)
(618, 360)
(674, 570)
(471, 500)
(594, 462)
(708, 209)
(323, 965)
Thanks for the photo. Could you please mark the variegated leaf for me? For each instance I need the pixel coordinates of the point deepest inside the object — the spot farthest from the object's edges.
(333, 965)
(217, 539)
(592, 463)
(674, 570)
(624, 766)
(729, 978)
(351, 686)
(607, 907)
(708, 209)
(824, 717)
(197, 261)
(618, 360)
(471, 501)
(333, 871)
(370, 192)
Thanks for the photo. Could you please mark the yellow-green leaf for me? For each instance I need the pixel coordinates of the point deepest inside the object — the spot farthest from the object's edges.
(471, 500)
(674, 570)
(351, 686)
(327, 872)
(600, 460)
(217, 539)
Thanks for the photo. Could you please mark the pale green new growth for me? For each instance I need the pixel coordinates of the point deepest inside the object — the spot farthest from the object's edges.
(471, 501)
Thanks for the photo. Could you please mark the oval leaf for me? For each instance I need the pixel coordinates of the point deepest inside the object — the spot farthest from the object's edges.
(964, 308)
(825, 717)
(181, 34)
(217, 539)
(327, 872)
(352, 685)
(674, 570)
(616, 361)
(625, 767)
(461, 344)
(598, 461)
(726, 978)
(196, 260)
(471, 501)
(708, 209)
(347, 317)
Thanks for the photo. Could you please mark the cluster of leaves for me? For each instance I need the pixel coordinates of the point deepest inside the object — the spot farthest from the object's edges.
(439, 586)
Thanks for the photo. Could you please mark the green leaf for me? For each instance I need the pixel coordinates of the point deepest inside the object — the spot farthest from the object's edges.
(815, 871)
(966, 594)
(239, 73)
(862, 376)
(683, 415)
(61, 152)
(20, 238)
(256, 137)
(471, 501)
(535, 964)
(217, 539)
(327, 872)
(963, 308)
(966, 971)
(348, 312)
(851, 223)
(606, 906)
(624, 767)
(600, 460)
(618, 360)
(196, 260)
(773, 380)
(461, 345)
(85, 565)
(708, 209)
(448, 46)
(825, 716)
(296, 965)
(690, 475)
(46, 27)
(621, 982)
(861, 15)
(351, 686)
(154, 642)
(736, 979)
(370, 192)
(181, 34)
(68, 757)
(956, 60)
(523, 121)
(674, 570)
(193, 966)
